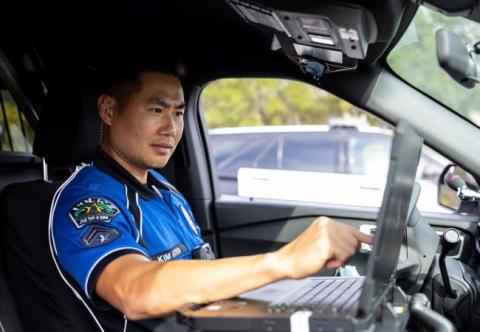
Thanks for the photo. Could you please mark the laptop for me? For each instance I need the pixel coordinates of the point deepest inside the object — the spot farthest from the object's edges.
(334, 303)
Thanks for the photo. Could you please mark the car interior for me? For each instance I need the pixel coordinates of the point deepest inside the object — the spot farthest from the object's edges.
(50, 56)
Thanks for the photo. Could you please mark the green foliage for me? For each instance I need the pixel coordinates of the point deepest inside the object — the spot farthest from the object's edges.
(255, 102)
(414, 59)
(18, 140)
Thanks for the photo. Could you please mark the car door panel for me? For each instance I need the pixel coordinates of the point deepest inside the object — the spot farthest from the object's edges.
(248, 226)
(269, 236)
(234, 211)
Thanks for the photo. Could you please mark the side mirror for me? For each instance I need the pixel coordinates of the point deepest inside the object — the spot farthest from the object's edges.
(454, 57)
(448, 197)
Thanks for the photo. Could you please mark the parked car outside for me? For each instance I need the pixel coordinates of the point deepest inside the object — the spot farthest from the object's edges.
(337, 164)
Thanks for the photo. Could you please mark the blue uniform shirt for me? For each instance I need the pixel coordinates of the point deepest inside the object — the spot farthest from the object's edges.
(103, 212)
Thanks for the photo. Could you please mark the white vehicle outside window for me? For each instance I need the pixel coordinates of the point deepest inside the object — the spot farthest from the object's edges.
(341, 162)
(345, 166)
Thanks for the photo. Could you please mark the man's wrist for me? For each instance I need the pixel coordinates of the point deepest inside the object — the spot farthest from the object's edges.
(274, 265)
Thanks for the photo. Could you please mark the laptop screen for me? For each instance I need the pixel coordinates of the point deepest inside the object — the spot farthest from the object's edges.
(393, 215)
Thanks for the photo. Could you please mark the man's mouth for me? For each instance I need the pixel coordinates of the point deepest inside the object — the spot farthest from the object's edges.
(162, 148)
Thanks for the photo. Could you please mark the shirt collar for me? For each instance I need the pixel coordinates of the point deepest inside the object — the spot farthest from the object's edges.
(107, 164)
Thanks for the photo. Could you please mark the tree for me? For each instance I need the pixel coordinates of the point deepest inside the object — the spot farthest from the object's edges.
(254, 102)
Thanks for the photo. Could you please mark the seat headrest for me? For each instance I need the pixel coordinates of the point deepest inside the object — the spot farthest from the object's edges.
(69, 127)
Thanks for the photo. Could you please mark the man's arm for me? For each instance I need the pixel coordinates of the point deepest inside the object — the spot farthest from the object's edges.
(143, 289)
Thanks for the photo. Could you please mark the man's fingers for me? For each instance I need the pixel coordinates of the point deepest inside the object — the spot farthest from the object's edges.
(359, 236)
(333, 264)
(359, 246)
(362, 237)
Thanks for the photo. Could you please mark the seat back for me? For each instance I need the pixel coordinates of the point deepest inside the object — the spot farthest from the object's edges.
(66, 135)
(43, 299)
(9, 317)
(14, 167)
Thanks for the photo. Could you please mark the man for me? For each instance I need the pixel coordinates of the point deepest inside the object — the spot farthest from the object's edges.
(124, 237)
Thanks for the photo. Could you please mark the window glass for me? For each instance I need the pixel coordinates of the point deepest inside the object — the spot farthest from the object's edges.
(369, 155)
(414, 59)
(315, 154)
(15, 132)
(286, 140)
(269, 158)
(5, 146)
(247, 154)
(224, 145)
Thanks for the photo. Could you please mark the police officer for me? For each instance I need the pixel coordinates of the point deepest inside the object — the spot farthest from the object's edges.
(123, 237)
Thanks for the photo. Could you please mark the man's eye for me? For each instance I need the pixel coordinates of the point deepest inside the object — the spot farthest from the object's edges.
(156, 110)
(179, 114)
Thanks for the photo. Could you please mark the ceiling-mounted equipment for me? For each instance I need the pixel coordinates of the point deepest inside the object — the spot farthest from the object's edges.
(335, 33)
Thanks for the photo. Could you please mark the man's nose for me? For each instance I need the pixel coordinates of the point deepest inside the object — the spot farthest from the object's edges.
(167, 126)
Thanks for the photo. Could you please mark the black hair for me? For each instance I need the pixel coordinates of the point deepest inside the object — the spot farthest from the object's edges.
(122, 80)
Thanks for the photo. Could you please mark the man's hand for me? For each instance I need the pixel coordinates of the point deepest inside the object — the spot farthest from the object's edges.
(325, 243)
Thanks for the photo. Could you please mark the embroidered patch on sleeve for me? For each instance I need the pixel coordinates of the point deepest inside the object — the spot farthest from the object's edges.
(98, 236)
(93, 210)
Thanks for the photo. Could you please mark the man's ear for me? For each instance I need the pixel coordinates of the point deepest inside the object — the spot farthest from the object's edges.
(105, 107)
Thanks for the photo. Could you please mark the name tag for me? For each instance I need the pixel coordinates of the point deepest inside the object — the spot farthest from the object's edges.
(171, 254)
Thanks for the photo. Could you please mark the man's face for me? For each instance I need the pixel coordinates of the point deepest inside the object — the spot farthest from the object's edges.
(147, 130)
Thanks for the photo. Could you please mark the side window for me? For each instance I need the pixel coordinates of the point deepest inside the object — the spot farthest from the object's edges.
(311, 153)
(287, 140)
(250, 151)
(369, 155)
(15, 132)
(268, 159)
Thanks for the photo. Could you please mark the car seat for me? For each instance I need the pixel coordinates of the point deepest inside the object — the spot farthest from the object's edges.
(66, 135)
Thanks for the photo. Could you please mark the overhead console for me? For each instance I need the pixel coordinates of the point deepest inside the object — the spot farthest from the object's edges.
(336, 34)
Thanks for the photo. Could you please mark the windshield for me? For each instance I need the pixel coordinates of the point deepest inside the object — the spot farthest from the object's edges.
(414, 59)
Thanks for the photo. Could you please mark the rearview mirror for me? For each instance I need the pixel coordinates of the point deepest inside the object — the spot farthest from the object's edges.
(454, 57)
(448, 197)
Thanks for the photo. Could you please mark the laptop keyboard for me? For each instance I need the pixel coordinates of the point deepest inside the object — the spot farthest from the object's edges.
(324, 295)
